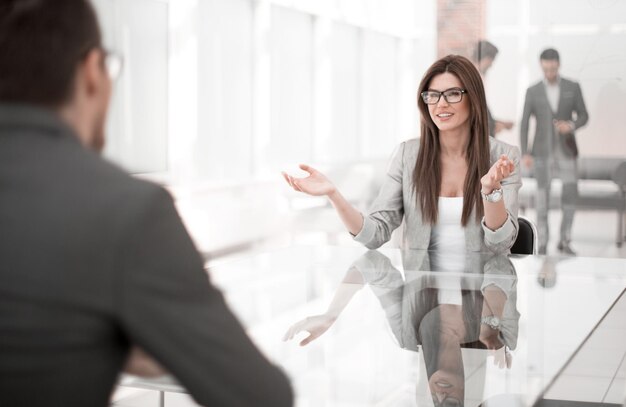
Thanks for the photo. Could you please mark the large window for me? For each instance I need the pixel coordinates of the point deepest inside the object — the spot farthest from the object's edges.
(138, 118)
(379, 93)
(291, 48)
(339, 93)
(228, 91)
(224, 145)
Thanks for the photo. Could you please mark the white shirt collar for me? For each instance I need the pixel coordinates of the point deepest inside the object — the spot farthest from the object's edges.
(557, 83)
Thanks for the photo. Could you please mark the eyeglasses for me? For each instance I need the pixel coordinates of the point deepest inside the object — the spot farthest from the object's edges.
(113, 63)
(452, 95)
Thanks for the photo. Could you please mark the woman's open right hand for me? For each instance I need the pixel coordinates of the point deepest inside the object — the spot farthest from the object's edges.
(315, 325)
(315, 183)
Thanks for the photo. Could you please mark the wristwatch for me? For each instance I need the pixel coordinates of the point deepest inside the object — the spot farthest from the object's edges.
(491, 321)
(494, 196)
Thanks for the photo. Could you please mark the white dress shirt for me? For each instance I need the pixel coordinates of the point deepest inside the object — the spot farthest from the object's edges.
(553, 91)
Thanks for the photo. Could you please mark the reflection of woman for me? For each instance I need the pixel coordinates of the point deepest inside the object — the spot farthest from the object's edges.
(439, 311)
(455, 188)
(482, 320)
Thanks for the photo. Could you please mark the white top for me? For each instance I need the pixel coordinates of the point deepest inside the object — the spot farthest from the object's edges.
(553, 91)
(447, 240)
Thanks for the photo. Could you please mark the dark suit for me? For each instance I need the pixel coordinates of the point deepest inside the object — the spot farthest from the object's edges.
(552, 150)
(93, 261)
(571, 107)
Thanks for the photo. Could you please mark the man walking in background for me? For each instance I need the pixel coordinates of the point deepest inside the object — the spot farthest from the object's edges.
(484, 55)
(92, 261)
(559, 110)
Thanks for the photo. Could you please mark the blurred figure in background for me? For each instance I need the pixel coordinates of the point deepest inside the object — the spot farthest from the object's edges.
(92, 261)
(559, 110)
(484, 55)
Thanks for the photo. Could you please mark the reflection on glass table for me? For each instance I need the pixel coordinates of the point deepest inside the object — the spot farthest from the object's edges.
(438, 312)
(404, 328)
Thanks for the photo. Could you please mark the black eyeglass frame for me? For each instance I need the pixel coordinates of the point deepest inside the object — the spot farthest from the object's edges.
(445, 96)
(112, 61)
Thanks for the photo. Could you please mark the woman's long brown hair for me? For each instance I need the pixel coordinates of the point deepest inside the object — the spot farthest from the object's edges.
(427, 172)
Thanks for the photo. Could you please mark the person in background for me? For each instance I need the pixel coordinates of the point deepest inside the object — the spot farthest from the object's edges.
(484, 56)
(455, 188)
(559, 110)
(93, 262)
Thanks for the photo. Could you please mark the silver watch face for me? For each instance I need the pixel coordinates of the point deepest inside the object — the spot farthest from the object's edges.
(492, 321)
(494, 196)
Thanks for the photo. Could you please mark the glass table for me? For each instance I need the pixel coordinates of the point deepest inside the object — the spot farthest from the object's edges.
(411, 328)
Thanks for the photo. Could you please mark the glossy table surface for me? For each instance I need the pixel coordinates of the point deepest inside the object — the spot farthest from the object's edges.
(413, 328)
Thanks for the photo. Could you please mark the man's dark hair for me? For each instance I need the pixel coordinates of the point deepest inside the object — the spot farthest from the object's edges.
(41, 45)
(485, 49)
(550, 54)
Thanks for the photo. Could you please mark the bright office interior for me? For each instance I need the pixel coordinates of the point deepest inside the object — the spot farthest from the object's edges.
(218, 96)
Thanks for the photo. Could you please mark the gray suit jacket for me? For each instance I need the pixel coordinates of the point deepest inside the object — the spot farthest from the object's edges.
(93, 261)
(396, 203)
(571, 108)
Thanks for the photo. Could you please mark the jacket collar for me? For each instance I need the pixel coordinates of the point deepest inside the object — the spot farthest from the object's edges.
(30, 117)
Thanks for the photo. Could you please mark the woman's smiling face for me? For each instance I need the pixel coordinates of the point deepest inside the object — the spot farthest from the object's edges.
(448, 116)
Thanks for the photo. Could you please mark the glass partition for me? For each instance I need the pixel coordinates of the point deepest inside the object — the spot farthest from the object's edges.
(137, 125)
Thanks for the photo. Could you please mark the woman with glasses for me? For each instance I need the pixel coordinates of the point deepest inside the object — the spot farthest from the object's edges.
(455, 188)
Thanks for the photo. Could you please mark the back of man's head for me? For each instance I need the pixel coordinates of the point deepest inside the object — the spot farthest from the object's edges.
(485, 49)
(550, 54)
(41, 45)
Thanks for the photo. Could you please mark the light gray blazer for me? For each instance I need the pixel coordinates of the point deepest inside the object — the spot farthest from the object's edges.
(396, 204)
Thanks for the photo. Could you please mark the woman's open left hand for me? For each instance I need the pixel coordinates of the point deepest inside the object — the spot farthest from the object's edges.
(498, 171)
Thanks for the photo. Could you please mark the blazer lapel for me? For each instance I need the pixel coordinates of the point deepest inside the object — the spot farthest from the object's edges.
(561, 90)
(544, 94)
(473, 235)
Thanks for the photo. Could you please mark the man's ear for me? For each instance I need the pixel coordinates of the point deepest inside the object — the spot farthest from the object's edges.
(93, 71)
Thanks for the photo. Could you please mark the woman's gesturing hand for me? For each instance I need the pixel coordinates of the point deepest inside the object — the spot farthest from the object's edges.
(315, 325)
(498, 171)
(315, 183)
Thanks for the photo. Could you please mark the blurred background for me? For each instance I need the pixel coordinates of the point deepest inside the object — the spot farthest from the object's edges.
(218, 96)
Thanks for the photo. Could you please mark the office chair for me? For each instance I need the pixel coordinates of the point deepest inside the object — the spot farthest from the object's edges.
(526, 242)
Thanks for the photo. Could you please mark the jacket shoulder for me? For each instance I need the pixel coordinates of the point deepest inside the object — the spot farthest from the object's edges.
(409, 150)
(113, 177)
(94, 181)
(411, 146)
(536, 87)
(568, 83)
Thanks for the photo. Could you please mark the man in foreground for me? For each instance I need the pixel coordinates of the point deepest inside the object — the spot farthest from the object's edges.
(92, 261)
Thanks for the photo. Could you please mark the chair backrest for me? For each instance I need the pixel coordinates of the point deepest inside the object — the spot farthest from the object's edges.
(526, 242)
